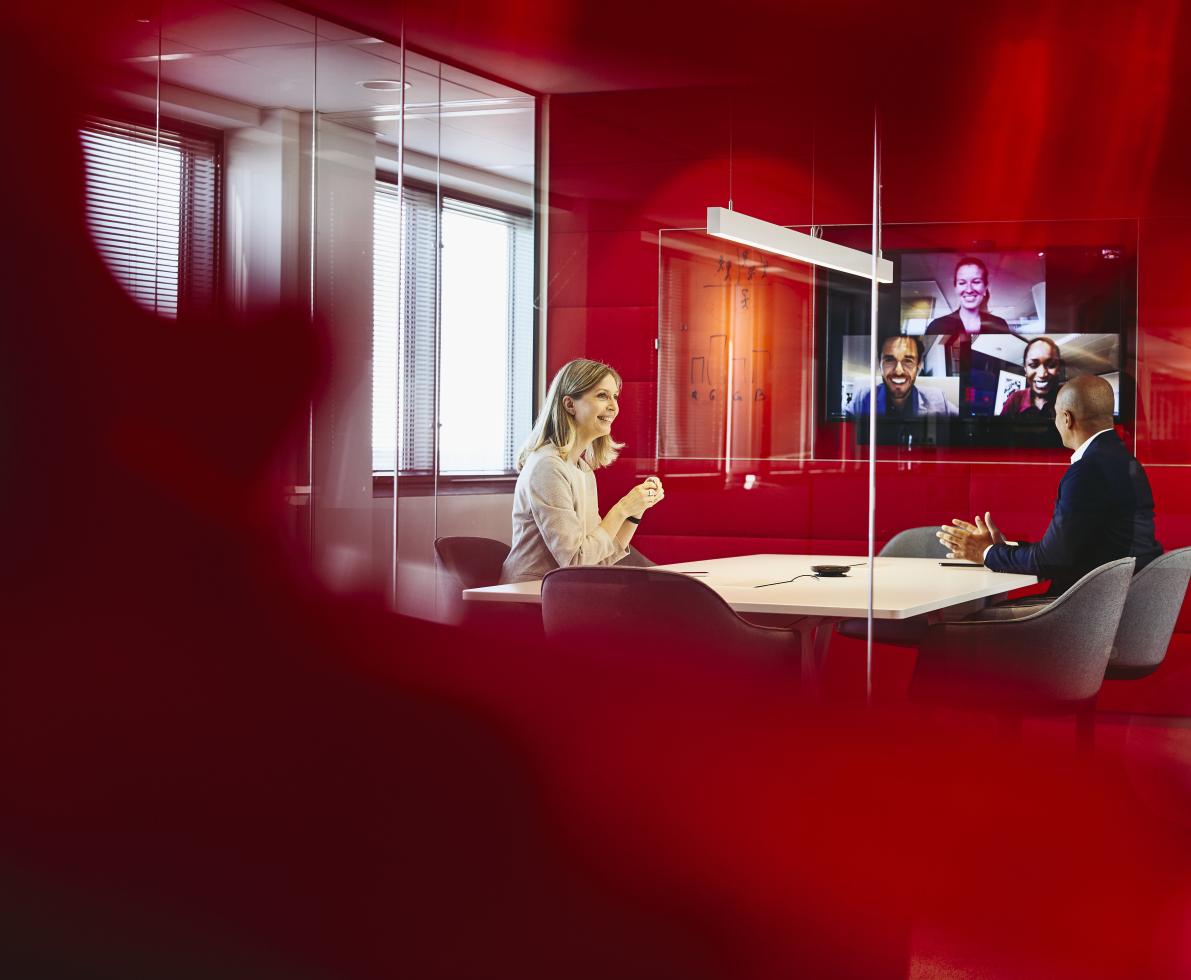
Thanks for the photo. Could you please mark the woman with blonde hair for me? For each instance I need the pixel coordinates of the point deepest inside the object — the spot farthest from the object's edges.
(971, 316)
(556, 518)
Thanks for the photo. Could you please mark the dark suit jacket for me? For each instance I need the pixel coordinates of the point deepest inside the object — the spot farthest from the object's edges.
(1104, 511)
(950, 323)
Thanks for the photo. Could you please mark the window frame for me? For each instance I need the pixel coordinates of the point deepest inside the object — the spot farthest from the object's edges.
(418, 483)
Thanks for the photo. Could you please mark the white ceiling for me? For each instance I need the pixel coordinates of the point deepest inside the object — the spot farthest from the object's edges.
(266, 55)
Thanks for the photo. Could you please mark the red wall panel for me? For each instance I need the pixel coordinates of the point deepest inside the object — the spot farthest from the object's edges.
(623, 336)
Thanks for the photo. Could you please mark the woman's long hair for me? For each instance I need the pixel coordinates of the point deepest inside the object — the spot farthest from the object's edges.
(554, 425)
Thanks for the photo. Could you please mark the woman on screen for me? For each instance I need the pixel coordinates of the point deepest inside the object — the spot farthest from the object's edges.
(1043, 365)
(556, 519)
(971, 315)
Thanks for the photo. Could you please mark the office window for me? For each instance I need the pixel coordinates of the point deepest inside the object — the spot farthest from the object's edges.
(153, 210)
(472, 380)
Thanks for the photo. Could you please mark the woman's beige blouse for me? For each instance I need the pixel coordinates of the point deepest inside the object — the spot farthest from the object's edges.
(556, 519)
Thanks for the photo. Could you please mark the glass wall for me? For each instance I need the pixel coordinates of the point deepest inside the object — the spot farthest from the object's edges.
(453, 369)
(256, 158)
(731, 411)
(735, 323)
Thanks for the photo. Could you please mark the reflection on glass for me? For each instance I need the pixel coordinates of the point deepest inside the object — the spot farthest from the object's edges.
(735, 332)
(134, 191)
(1001, 327)
(468, 159)
(333, 160)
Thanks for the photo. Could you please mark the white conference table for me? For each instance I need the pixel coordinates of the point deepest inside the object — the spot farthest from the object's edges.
(902, 589)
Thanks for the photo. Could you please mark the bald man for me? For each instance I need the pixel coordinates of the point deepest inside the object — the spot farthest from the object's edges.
(1104, 510)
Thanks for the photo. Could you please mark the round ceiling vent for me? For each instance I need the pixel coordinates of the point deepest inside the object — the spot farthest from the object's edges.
(382, 85)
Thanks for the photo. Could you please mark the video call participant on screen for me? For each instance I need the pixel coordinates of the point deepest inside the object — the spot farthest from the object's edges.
(1043, 366)
(1104, 510)
(899, 397)
(556, 518)
(971, 316)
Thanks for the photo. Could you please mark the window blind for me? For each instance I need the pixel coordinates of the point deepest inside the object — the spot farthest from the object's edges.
(153, 209)
(404, 364)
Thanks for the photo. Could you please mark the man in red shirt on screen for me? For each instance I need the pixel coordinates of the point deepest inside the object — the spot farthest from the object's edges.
(1042, 364)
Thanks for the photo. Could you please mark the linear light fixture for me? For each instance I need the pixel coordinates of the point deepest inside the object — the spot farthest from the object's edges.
(768, 237)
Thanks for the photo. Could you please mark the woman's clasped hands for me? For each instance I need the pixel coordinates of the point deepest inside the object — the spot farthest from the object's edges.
(643, 496)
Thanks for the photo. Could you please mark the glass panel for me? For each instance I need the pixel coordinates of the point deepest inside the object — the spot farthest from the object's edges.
(464, 340)
(348, 551)
(134, 182)
(133, 175)
(995, 318)
(734, 381)
(197, 184)
(247, 71)
(416, 423)
(982, 326)
(715, 339)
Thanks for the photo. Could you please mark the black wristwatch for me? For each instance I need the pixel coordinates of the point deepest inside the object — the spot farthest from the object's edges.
(635, 520)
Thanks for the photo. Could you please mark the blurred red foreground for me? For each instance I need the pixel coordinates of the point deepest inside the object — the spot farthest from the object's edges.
(212, 768)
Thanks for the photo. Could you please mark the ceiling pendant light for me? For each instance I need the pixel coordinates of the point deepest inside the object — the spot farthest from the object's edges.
(768, 237)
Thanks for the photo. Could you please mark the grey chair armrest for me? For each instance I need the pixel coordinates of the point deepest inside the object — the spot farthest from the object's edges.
(1008, 611)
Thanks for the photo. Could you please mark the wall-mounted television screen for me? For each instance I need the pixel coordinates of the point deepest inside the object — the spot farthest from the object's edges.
(973, 346)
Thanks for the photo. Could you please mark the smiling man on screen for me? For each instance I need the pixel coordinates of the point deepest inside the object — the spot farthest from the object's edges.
(899, 395)
(1104, 510)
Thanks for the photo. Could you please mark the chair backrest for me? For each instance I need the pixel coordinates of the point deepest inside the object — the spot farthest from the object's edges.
(472, 562)
(1151, 609)
(915, 542)
(662, 611)
(634, 559)
(1057, 654)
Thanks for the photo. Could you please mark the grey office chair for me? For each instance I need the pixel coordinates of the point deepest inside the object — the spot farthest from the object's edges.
(466, 563)
(662, 611)
(1049, 660)
(914, 542)
(1151, 609)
